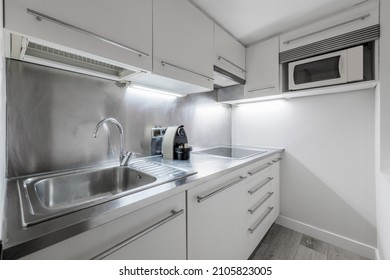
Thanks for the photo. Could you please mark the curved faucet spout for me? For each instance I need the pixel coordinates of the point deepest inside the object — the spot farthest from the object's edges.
(121, 134)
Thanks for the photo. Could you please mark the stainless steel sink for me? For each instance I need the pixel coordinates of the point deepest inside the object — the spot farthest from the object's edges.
(50, 196)
(74, 189)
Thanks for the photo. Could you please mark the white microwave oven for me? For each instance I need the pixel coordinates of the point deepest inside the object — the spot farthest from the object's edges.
(329, 69)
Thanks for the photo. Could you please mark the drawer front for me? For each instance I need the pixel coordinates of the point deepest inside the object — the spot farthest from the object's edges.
(258, 226)
(256, 188)
(94, 242)
(256, 206)
(166, 241)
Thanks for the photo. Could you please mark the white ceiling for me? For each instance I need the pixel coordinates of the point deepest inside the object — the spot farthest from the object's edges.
(252, 20)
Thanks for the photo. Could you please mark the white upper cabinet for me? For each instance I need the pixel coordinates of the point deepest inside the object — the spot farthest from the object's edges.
(229, 53)
(262, 64)
(361, 16)
(119, 31)
(183, 43)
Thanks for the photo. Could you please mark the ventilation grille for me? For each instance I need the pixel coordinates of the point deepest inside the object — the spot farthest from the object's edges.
(52, 54)
(356, 37)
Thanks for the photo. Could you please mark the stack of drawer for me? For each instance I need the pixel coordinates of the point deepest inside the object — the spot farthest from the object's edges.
(261, 200)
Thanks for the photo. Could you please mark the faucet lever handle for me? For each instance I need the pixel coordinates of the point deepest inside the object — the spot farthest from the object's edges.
(125, 158)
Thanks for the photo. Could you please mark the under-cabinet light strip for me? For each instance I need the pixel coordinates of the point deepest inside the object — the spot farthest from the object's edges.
(154, 90)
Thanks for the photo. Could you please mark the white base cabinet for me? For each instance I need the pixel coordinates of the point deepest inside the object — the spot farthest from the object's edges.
(153, 232)
(228, 217)
(166, 241)
(225, 218)
(213, 223)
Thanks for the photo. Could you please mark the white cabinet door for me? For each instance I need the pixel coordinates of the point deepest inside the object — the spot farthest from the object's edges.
(165, 241)
(127, 24)
(214, 226)
(182, 43)
(229, 53)
(262, 64)
(152, 232)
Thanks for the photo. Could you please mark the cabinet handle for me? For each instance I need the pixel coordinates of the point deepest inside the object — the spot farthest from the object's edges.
(260, 89)
(231, 63)
(253, 229)
(164, 63)
(276, 160)
(202, 198)
(108, 252)
(328, 28)
(39, 16)
(257, 206)
(260, 169)
(254, 190)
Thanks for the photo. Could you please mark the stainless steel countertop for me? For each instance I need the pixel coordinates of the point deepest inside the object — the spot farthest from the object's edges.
(19, 241)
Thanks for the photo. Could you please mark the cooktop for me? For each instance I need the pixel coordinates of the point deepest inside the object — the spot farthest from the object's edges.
(230, 152)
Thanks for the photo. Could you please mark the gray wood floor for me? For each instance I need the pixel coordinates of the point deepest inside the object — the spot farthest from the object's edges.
(281, 243)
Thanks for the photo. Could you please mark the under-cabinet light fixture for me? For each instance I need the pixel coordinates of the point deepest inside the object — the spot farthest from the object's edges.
(257, 100)
(154, 90)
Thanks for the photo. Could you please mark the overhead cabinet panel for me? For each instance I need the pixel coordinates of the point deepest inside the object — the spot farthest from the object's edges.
(360, 17)
(118, 31)
(262, 60)
(182, 43)
(229, 53)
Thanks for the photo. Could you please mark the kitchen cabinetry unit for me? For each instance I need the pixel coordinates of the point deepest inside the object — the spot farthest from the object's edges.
(183, 43)
(157, 231)
(362, 16)
(228, 216)
(117, 32)
(229, 53)
(262, 64)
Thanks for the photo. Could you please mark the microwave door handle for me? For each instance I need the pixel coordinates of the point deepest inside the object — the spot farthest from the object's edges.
(343, 67)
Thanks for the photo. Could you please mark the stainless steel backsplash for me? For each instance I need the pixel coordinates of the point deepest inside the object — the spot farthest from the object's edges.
(51, 114)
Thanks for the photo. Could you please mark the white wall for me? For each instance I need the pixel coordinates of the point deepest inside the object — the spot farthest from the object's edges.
(327, 174)
(383, 138)
(2, 121)
(382, 190)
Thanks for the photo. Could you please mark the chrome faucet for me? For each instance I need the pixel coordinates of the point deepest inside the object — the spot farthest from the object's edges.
(123, 157)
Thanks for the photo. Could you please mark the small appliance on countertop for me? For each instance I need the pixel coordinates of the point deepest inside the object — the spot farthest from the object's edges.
(156, 140)
(175, 143)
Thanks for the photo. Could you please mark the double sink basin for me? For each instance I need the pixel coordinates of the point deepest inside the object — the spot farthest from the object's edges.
(50, 196)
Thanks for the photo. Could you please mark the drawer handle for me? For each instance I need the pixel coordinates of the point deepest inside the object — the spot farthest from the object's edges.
(266, 181)
(253, 229)
(174, 214)
(231, 63)
(276, 160)
(164, 63)
(203, 198)
(39, 16)
(328, 28)
(257, 206)
(260, 169)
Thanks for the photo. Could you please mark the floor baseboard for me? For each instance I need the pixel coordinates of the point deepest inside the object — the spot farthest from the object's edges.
(335, 239)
